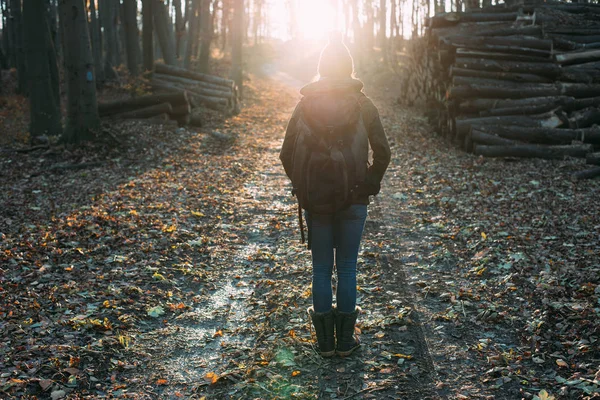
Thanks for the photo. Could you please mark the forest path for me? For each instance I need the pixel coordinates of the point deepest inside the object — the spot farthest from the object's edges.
(446, 310)
(248, 335)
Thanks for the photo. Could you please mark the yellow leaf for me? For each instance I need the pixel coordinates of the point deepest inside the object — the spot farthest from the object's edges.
(218, 333)
(295, 373)
(211, 377)
(158, 276)
(405, 356)
(197, 214)
(561, 363)
(483, 235)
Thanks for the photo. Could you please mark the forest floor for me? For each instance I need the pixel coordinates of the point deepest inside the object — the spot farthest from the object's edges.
(171, 268)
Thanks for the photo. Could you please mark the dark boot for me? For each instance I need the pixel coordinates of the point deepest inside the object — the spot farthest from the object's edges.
(347, 341)
(324, 323)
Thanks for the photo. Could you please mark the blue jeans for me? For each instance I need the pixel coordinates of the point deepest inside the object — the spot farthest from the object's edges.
(341, 231)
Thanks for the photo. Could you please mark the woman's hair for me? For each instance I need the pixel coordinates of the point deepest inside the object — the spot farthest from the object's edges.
(336, 61)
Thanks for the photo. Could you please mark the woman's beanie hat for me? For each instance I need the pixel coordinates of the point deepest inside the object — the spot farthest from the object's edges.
(336, 61)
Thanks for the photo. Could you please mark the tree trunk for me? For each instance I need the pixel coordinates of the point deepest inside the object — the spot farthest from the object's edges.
(469, 54)
(206, 29)
(579, 57)
(192, 39)
(548, 120)
(576, 90)
(586, 174)
(237, 42)
(17, 26)
(225, 22)
(585, 118)
(382, 38)
(257, 19)
(148, 34)
(107, 9)
(146, 112)
(479, 137)
(82, 107)
(44, 110)
(454, 18)
(184, 73)
(507, 76)
(6, 43)
(95, 36)
(164, 32)
(534, 151)
(132, 34)
(593, 159)
(543, 135)
(209, 89)
(120, 26)
(119, 106)
(216, 103)
(179, 29)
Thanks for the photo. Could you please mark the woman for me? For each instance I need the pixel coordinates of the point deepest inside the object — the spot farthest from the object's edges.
(335, 237)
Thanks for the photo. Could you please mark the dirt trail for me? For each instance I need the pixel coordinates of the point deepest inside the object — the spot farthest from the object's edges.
(249, 337)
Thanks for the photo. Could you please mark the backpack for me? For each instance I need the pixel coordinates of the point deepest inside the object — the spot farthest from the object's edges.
(330, 157)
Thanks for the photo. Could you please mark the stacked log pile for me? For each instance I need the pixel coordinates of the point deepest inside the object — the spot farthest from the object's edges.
(177, 92)
(159, 108)
(204, 90)
(515, 81)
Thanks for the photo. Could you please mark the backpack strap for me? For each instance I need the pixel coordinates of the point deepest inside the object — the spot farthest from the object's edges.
(300, 222)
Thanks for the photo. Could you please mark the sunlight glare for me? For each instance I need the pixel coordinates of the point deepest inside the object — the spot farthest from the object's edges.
(314, 18)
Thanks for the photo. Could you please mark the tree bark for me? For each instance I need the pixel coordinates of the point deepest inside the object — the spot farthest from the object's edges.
(132, 35)
(225, 22)
(579, 57)
(179, 29)
(549, 70)
(584, 118)
(192, 39)
(586, 174)
(45, 116)
(507, 76)
(480, 137)
(184, 73)
(164, 32)
(19, 49)
(148, 35)
(547, 120)
(119, 106)
(593, 159)
(95, 36)
(237, 72)
(534, 151)
(453, 18)
(206, 30)
(382, 37)
(210, 89)
(463, 53)
(216, 103)
(181, 110)
(524, 91)
(82, 106)
(108, 19)
(146, 112)
(543, 135)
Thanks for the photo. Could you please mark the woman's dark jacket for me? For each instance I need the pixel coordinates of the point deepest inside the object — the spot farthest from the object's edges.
(370, 114)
